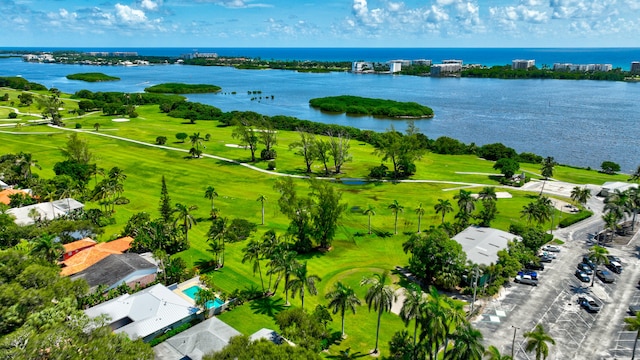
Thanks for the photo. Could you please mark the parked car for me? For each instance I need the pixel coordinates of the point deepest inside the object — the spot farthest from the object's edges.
(605, 276)
(614, 258)
(538, 266)
(582, 276)
(615, 266)
(526, 279)
(533, 274)
(634, 309)
(588, 303)
(586, 260)
(585, 268)
(551, 248)
(545, 258)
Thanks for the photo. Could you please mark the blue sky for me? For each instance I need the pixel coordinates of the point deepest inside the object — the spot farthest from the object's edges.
(315, 23)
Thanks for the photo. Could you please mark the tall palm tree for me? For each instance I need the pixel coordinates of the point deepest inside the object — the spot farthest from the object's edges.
(598, 255)
(537, 341)
(580, 195)
(369, 211)
(545, 209)
(283, 263)
(529, 212)
(420, 212)
(203, 298)
(466, 202)
(434, 321)
(269, 246)
(262, 200)
(396, 208)
(379, 296)
(412, 309)
(456, 317)
(546, 170)
(253, 253)
(611, 219)
(341, 299)
(633, 324)
(210, 193)
(185, 216)
(47, 247)
(444, 207)
(633, 203)
(467, 344)
(488, 192)
(301, 280)
(196, 140)
(493, 353)
(618, 203)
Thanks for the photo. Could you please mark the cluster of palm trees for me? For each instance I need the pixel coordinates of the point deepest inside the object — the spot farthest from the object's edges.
(281, 263)
(619, 204)
(196, 143)
(539, 211)
(108, 191)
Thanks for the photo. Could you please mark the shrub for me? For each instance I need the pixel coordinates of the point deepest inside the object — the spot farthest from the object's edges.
(268, 154)
(161, 140)
(271, 165)
(572, 219)
(133, 114)
(13, 115)
(609, 167)
(378, 172)
(78, 126)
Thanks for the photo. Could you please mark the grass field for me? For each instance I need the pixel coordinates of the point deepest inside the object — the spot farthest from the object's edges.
(354, 253)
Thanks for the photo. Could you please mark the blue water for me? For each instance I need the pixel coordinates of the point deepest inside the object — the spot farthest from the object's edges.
(580, 123)
(192, 291)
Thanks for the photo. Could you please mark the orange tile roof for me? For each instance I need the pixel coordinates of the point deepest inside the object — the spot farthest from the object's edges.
(72, 246)
(4, 195)
(92, 255)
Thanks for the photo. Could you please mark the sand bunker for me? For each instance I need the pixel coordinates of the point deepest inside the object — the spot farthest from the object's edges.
(120, 120)
(235, 146)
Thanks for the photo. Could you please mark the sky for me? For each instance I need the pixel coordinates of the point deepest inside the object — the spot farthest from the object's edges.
(320, 23)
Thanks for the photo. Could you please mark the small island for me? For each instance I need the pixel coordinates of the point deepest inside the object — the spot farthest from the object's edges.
(179, 88)
(92, 77)
(355, 105)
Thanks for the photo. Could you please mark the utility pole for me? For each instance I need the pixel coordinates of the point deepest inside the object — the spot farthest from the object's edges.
(475, 287)
(513, 342)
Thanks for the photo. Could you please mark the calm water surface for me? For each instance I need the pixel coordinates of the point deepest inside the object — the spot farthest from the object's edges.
(578, 122)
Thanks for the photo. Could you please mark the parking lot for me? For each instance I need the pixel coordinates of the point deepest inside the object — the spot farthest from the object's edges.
(578, 333)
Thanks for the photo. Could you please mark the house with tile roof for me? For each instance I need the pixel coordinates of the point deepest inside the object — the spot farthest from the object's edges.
(116, 269)
(145, 314)
(75, 247)
(6, 193)
(90, 256)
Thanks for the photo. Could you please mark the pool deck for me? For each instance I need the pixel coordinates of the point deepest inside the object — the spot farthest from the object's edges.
(185, 285)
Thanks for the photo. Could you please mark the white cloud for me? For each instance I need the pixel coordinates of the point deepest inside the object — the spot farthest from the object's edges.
(150, 5)
(235, 3)
(130, 15)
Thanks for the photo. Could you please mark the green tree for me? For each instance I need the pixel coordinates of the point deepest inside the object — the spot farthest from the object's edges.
(443, 207)
(185, 216)
(203, 299)
(493, 353)
(326, 213)
(580, 195)
(241, 347)
(303, 280)
(380, 297)
(609, 167)
(166, 210)
(262, 200)
(369, 211)
(182, 136)
(77, 150)
(341, 299)
(488, 192)
(507, 166)
(467, 344)
(395, 209)
(420, 212)
(245, 132)
(252, 253)
(339, 149)
(633, 324)
(322, 152)
(412, 307)
(283, 263)
(547, 167)
(196, 140)
(210, 193)
(538, 340)
(47, 247)
(306, 147)
(598, 255)
(488, 212)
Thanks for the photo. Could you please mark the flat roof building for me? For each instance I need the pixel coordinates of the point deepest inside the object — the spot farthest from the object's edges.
(522, 64)
(482, 244)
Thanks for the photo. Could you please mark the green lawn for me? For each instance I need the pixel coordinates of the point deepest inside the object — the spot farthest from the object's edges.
(354, 253)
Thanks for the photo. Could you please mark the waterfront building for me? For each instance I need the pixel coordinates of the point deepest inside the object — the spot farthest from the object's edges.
(452, 61)
(445, 69)
(395, 66)
(361, 66)
(581, 67)
(635, 67)
(522, 64)
(422, 62)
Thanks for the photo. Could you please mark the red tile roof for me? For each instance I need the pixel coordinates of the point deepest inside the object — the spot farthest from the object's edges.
(92, 255)
(80, 244)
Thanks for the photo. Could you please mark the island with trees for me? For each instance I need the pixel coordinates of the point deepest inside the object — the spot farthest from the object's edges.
(355, 105)
(92, 77)
(180, 88)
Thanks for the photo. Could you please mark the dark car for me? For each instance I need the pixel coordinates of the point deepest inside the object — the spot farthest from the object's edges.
(582, 276)
(586, 260)
(533, 274)
(544, 258)
(605, 276)
(613, 258)
(534, 266)
(588, 303)
(585, 268)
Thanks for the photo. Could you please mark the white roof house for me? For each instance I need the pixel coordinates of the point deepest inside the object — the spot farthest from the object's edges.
(47, 210)
(611, 186)
(482, 244)
(209, 336)
(145, 314)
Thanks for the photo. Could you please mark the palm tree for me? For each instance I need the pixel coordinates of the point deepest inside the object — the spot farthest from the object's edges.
(420, 212)
(493, 353)
(467, 344)
(269, 246)
(546, 170)
(262, 200)
(444, 207)
(396, 208)
(611, 222)
(203, 298)
(369, 211)
(545, 209)
(186, 217)
(379, 296)
(301, 280)
(633, 203)
(488, 192)
(341, 299)
(598, 255)
(282, 263)
(580, 195)
(434, 323)
(210, 194)
(633, 324)
(537, 340)
(196, 140)
(253, 252)
(412, 309)
(617, 202)
(466, 202)
(47, 247)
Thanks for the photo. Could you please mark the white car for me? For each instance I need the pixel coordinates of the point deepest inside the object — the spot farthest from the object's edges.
(551, 248)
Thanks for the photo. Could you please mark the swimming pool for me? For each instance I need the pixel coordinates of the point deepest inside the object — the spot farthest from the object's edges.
(192, 291)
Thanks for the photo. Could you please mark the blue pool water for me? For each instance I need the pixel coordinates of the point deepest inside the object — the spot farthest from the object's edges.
(192, 291)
